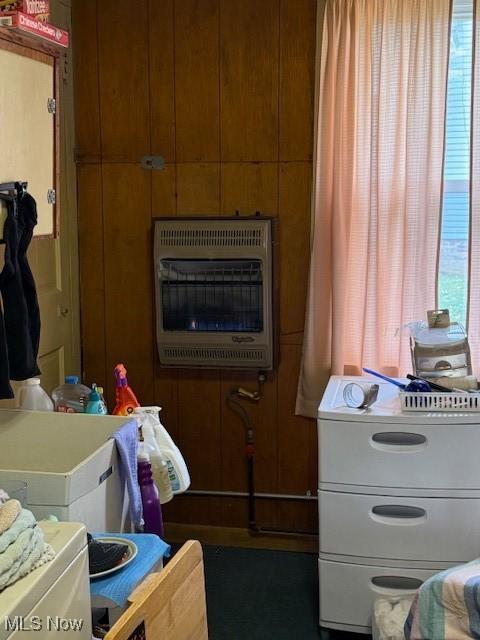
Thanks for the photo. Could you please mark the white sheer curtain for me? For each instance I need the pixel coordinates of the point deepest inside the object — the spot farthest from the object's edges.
(378, 190)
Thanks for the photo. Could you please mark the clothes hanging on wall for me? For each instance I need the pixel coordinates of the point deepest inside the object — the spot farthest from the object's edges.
(20, 324)
(6, 390)
(27, 218)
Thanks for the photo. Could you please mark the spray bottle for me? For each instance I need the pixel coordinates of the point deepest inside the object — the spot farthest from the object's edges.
(125, 399)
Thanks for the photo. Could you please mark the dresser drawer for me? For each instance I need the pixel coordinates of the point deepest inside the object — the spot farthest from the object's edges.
(347, 591)
(437, 456)
(423, 529)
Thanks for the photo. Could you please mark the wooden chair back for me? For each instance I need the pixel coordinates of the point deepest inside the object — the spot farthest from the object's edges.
(169, 605)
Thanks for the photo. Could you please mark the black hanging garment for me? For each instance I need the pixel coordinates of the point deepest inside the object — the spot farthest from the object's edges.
(6, 390)
(27, 219)
(20, 330)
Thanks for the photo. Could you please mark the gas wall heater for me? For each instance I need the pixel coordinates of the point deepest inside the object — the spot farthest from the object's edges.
(215, 292)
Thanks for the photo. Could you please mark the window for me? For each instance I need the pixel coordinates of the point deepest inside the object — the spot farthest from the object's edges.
(453, 265)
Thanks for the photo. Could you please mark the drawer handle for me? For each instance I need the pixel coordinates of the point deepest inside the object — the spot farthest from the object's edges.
(398, 514)
(395, 583)
(394, 439)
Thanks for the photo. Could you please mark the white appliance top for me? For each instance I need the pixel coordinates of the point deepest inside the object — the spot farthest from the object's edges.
(387, 407)
(68, 539)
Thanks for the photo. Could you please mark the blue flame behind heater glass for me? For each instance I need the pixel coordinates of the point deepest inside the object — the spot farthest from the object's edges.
(211, 295)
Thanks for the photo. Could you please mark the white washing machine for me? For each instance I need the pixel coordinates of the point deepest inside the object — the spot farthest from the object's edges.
(54, 600)
(399, 500)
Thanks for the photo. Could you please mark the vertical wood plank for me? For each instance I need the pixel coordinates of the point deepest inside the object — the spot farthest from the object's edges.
(123, 73)
(128, 275)
(163, 192)
(235, 513)
(297, 82)
(298, 516)
(249, 187)
(199, 426)
(166, 396)
(198, 188)
(85, 75)
(196, 80)
(195, 510)
(249, 36)
(162, 82)
(294, 432)
(294, 232)
(92, 276)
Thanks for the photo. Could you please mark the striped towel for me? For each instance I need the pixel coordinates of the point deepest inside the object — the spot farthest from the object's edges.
(447, 606)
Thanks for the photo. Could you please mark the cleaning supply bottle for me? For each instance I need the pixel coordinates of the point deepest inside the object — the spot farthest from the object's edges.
(102, 397)
(152, 511)
(177, 469)
(125, 399)
(95, 404)
(32, 397)
(158, 461)
(163, 483)
(71, 397)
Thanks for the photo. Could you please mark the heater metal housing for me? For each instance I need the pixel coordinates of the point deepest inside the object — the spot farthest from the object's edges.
(215, 292)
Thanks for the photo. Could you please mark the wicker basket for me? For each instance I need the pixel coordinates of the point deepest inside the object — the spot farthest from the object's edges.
(434, 401)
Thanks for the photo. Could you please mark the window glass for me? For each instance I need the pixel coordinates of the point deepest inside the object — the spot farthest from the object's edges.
(453, 267)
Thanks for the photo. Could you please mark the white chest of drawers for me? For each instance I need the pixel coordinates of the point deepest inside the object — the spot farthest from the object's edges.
(399, 500)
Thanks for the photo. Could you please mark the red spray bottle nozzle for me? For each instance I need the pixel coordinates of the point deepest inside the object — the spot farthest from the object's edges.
(121, 375)
(126, 400)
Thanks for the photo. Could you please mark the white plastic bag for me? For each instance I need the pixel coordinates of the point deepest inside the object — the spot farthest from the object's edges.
(389, 616)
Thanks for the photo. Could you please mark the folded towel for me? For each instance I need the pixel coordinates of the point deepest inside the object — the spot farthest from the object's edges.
(9, 512)
(25, 520)
(41, 554)
(21, 556)
(22, 545)
(126, 439)
(47, 555)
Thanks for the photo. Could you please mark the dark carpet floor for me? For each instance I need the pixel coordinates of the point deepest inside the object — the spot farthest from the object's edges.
(261, 595)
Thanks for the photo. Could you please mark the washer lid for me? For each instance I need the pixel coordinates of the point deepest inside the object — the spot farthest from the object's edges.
(68, 539)
(386, 409)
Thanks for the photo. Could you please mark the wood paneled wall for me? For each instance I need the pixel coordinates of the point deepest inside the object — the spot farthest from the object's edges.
(223, 90)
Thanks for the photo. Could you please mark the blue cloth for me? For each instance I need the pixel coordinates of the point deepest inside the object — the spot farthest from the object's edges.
(126, 439)
(119, 585)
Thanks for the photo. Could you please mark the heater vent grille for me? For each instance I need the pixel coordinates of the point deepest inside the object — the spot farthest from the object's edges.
(217, 237)
(212, 353)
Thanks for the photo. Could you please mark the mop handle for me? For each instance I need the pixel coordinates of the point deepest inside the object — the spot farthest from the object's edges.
(379, 375)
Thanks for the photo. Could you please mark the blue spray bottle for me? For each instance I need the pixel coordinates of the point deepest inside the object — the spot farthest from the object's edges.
(95, 403)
